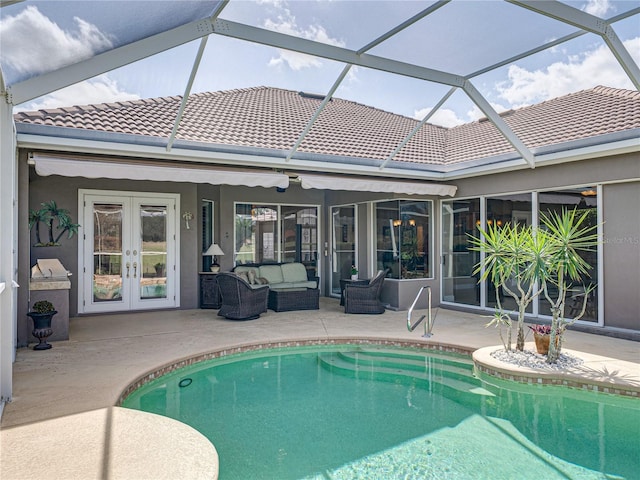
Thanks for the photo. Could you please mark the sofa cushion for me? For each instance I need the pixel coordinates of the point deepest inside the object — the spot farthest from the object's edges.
(294, 272)
(273, 273)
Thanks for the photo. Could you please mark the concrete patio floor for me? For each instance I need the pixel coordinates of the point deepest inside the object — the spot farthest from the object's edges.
(71, 389)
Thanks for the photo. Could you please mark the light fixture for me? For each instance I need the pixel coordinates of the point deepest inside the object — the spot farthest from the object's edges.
(412, 222)
(397, 223)
(213, 251)
(188, 216)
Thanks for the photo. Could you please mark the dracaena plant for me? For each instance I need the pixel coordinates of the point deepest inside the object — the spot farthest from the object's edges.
(570, 235)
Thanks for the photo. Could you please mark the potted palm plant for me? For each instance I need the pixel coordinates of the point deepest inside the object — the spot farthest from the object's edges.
(42, 313)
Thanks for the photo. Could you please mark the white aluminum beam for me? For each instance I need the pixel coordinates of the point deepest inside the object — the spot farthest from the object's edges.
(63, 77)
(499, 123)
(331, 52)
(187, 91)
(192, 76)
(572, 16)
(8, 253)
(418, 127)
(346, 69)
(318, 111)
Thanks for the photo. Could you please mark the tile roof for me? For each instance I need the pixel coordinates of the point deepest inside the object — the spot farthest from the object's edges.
(274, 118)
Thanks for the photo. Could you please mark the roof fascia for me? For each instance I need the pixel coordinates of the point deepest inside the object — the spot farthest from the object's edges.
(261, 158)
(35, 87)
(607, 145)
(585, 21)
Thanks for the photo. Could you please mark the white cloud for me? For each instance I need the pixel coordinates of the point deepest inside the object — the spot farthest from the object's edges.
(595, 67)
(599, 8)
(448, 118)
(98, 90)
(52, 47)
(443, 117)
(286, 23)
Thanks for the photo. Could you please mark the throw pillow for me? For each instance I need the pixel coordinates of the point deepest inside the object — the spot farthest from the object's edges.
(252, 277)
(244, 276)
(262, 281)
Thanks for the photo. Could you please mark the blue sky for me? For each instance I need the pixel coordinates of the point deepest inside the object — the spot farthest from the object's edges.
(462, 37)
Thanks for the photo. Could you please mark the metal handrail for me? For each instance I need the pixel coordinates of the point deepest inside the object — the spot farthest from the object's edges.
(428, 326)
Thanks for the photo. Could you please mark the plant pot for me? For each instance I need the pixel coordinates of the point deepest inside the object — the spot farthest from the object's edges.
(542, 343)
(354, 276)
(42, 328)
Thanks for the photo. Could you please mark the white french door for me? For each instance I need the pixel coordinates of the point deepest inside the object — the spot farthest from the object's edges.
(127, 254)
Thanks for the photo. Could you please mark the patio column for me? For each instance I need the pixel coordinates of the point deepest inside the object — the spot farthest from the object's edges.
(8, 244)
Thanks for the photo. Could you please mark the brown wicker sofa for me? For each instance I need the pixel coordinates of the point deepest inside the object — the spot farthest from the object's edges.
(291, 286)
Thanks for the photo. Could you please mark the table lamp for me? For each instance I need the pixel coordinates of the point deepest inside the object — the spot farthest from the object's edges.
(213, 251)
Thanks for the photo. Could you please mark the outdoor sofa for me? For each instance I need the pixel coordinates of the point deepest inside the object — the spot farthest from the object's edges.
(291, 286)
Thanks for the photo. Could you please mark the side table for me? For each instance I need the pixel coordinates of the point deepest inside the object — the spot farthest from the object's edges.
(209, 290)
(347, 281)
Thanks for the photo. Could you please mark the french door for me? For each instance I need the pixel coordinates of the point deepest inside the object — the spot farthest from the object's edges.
(127, 256)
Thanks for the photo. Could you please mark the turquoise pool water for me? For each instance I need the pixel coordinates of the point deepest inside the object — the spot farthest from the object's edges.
(375, 413)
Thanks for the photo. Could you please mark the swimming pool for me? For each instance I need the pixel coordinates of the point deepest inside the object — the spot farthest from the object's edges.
(356, 411)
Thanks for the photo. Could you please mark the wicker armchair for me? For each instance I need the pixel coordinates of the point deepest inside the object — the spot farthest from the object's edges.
(240, 301)
(365, 298)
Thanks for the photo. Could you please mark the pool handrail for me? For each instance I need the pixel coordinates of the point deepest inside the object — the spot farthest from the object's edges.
(428, 326)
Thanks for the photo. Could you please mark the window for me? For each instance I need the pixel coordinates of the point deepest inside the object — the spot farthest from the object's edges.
(403, 238)
(276, 233)
(584, 200)
(206, 215)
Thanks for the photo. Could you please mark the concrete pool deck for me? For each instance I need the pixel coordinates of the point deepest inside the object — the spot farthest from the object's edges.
(63, 422)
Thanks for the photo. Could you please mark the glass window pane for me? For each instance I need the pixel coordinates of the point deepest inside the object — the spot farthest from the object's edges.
(403, 238)
(206, 214)
(153, 251)
(256, 234)
(460, 219)
(504, 210)
(583, 199)
(107, 256)
(415, 234)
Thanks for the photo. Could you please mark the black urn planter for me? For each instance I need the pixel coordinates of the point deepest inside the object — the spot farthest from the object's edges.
(42, 328)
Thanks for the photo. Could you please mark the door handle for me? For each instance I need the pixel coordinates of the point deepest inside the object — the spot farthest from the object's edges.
(128, 265)
(135, 269)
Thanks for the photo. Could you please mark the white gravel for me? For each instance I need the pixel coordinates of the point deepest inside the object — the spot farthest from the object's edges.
(531, 359)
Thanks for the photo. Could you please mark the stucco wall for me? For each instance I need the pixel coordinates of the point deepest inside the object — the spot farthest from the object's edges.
(621, 253)
(64, 191)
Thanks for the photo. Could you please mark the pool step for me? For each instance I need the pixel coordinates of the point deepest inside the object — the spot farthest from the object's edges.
(390, 368)
(451, 364)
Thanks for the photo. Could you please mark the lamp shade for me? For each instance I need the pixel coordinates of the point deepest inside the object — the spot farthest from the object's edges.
(214, 249)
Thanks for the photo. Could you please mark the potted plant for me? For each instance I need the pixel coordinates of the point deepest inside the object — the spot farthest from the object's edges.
(354, 272)
(542, 337)
(41, 313)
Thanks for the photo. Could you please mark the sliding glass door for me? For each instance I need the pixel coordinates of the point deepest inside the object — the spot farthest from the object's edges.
(343, 244)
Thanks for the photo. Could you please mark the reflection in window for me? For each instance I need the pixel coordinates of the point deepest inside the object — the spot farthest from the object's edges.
(460, 219)
(277, 233)
(582, 199)
(206, 215)
(504, 210)
(403, 238)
